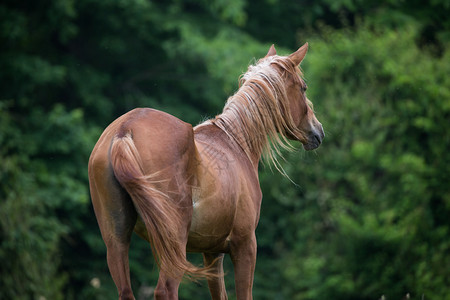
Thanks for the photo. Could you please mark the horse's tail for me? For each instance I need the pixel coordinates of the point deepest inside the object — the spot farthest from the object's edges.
(158, 212)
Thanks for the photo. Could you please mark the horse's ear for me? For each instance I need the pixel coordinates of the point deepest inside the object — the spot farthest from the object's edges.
(271, 52)
(298, 55)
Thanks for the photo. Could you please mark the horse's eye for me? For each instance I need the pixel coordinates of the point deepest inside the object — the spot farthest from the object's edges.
(304, 88)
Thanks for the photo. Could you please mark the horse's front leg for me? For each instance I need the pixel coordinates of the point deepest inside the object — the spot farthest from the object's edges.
(216, 284)
(243, 256)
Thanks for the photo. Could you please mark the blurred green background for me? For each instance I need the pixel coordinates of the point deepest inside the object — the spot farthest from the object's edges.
(369, 218)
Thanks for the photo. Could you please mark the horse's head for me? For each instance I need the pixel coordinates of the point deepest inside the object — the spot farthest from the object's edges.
(307, 129)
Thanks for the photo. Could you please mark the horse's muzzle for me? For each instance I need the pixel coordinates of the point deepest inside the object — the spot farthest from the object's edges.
(314, 138)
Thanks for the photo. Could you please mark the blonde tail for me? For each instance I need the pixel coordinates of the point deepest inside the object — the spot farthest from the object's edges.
(156, 209)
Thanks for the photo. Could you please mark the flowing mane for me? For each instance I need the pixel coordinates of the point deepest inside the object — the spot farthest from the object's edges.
(258, 116)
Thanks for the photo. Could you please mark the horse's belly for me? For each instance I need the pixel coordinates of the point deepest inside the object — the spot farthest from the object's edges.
(212, 222)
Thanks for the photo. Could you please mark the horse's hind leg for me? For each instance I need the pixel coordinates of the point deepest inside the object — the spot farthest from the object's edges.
(116, 217)
(216, 284)
(167, 288)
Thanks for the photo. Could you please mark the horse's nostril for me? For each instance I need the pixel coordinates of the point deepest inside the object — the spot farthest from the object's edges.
(318, 139)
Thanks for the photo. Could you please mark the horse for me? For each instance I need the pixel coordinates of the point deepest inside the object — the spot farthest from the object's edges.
(196, 189)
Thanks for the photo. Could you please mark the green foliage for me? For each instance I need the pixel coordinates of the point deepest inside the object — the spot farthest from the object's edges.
(29, 233)
(373, 200)
(370, 214)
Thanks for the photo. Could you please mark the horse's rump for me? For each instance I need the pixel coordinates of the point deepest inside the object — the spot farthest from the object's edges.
(158, 181)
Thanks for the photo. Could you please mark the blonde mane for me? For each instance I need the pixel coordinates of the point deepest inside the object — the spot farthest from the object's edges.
(258, 116)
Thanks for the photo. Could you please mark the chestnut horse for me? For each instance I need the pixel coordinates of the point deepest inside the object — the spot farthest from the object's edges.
(196, 189)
